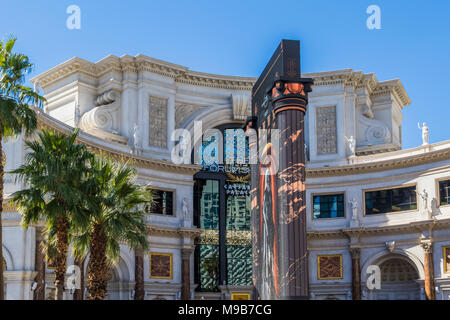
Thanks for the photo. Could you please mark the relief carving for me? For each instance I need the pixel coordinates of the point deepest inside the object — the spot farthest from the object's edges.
(103, 119)
(326, 130)
(375, 131)
(183, 112)
(158, 122)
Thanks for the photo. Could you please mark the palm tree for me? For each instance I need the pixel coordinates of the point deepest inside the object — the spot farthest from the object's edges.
(54, 169)
(115, 204)
(15, 114)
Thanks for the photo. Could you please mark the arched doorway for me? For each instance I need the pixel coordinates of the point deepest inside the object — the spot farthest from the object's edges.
(398, 280)
(118, 282)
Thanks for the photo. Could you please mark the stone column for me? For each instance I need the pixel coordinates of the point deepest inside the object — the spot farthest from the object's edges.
(186, 273)
(427, 246)
(39, 262)
(279, 102)
(139, 291)
(356, 273)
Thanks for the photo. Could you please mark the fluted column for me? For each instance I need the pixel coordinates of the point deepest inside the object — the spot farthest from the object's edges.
(186, 273)
(427, 246)
(356, 273)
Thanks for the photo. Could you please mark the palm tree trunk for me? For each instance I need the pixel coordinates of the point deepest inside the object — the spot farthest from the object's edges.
(97, 266)
(61, 258)
(79, 293)
(2, 161)
(139, 292)
(39, 261)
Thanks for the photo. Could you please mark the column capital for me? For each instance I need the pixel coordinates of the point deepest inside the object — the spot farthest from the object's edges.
(427, 245)
(186, 253)
(355, 253)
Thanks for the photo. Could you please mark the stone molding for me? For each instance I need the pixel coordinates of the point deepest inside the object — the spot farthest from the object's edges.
(154, 230)
(381, 165)
(403, 228)
(45, 121)
(183, 75)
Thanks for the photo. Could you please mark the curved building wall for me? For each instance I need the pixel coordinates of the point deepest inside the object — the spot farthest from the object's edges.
(128, 107)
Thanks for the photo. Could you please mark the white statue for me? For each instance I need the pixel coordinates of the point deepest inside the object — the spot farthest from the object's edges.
(425, 133)
(354, 205)
(424, 196)
(185, 208)
(351, 144)
(77, 115)
(136, 136)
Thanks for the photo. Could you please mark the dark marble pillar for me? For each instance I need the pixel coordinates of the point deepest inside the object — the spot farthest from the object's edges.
(356, 274)
(186, 273)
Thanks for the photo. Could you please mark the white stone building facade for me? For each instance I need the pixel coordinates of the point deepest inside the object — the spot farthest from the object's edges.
(128, 107)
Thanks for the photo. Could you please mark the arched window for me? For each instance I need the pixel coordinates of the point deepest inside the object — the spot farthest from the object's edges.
(397, 270)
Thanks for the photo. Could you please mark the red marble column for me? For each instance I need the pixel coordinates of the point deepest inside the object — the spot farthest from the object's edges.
(186, 273)
(356, 274)
(430, 292)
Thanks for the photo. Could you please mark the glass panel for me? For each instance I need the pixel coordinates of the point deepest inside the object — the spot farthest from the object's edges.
(391, 200)
(209, 267)
(328, 206)
(209, 205)
(239, 260)
(238, 235)
(444, 192)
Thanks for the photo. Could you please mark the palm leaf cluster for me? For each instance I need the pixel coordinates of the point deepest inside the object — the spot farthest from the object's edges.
(87, 201)
(16, 115)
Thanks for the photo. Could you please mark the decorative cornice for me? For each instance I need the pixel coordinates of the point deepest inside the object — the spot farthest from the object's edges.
(45, 121)
(192, 233)
(382, 165)
(404, 228)
(183, 75)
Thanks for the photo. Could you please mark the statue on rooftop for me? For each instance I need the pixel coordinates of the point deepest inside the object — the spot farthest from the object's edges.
(425, 133)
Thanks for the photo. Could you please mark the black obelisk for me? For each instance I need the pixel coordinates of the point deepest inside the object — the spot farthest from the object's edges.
(279, 101)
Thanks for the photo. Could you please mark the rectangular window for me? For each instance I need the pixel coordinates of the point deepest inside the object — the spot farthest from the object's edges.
(390, 200)
(328, 206)
(444, 192)
(163, 202)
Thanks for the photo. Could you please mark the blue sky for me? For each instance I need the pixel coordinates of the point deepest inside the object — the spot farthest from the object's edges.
(238, 37)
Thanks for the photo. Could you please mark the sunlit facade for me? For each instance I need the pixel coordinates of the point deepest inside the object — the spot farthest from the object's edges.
(373, 205)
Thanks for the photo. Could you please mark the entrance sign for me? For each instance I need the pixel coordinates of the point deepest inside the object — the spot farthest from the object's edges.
(279, 101)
